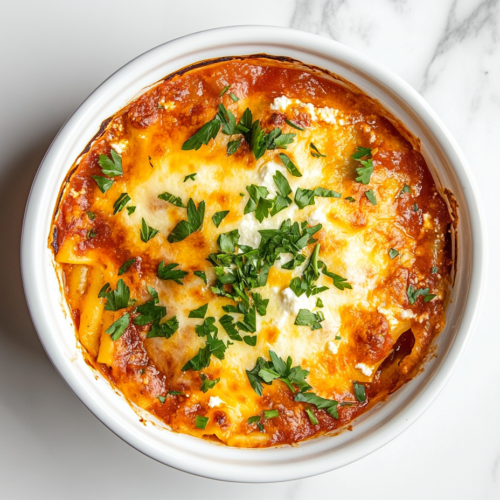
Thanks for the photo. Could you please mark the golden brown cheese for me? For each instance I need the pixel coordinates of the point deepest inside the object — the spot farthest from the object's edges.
(373, 334)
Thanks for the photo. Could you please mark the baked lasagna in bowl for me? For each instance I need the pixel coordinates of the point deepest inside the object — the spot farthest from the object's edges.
(254, 251)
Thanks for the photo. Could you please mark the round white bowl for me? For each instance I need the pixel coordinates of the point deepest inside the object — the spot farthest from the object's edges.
(187, 453)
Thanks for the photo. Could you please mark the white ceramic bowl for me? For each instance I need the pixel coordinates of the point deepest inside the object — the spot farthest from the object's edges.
(187, 453)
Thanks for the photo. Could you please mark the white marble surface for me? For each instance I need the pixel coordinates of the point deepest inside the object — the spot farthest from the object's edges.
(53, 53)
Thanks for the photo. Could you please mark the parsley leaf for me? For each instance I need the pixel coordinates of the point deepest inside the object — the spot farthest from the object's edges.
(293, 125)
(125, 266)
(233, 97)
(338, 281)
(290, 166)
(218, 217)
(91, 233)
(271, 414)
(201, 275)
(119, 326)
(199, 313)
(366, 170)
(165, 330)
(175, 200)
(393, 253)
(308, 318)
(413, 293)
(227, 323)
(149, 312)
(315, 153)
(184, 228)
(207, 384)
(429, 297)
(112, 167)
(312, 417)
(203, 136)
(329, 405)
(434, 270)
(153, 294)
(147, 232)
(232, 146)
(319, 303)
(249, 340)
(359, 390)
(131, 210)
(406, 189)
(120, 203)
(224, 90)
(228, 241)
(201, 422)
(117, 299)
(168, 272)
(260, 304)
(361, 153)
(103, 183)
(371, 196)
(90, 215)
(190, 177)
(326, 193)
(350, 198)
(304, 197)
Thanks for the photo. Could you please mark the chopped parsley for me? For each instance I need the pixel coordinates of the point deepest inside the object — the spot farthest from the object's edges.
(112, 167)
(290, 166)
(206, 383)
(308, 318)
(294, 125)
(103, 183)
(406, 189)
(366, 170)
(199, 313)
(227, 322)
(201, 275)
(224, 90)
(371, 196)
(359, 391)
(319, 303)
(201, 422)
(91, 233)
(312, 417)
(315, 152)
(90, 215)
(116, 299)
(168, 272)
(306, 282)
(429, 297)
(233, 97)
(393, 253)
(120, 203)
(434, 270)
(415, 208)
(162, 399)
(413, 293)
(190, 177)
(218, 217)
(338, 281)
(131, 210)
(125, 266)
(350, 198)
(184, 228)
(305, 197)
(117, 329)
(271, 414)
(329, 405)
(232, 146)
(147, 232)
(151, 312)
(175, 200)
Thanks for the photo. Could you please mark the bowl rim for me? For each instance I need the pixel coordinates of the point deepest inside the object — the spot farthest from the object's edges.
(276, 41)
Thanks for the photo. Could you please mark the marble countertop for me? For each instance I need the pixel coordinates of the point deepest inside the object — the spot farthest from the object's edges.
(54, 53)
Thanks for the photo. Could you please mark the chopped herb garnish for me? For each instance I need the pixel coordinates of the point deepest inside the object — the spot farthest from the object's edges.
(90, 215)
(319, 303)
(165, 330)
(315, 152)
(258, 202)
(350, 198)
(406, 189)
(224, 90)
(338, 337)
(190, 177)
(371, 196)
(271, 414)
(203, 136)
(153, 294)
(176, 393)
(184, 228)
(393, 253)
(218, 217)
(168, 272)
(112, 167)
(338, 281)
(329, 405)
(91, 233)
(160, 106)
(131, 210)
(232, 146)
(434, 270)
(162, 399)
(308, 318)
(229, 326)
(366, 170)
(175, 200)
(125, 266)
(413, 293)
(260, 304)
(290, 166)
(199, 313)
(312, 417)
(119, 326)
(103, 290)
(429, 297)
(147, 232)
(201, 422)
(103, 183)
(249, 340)
(116, 299)
(206, 383)
(201, 275)
(233, 97)
(254, 419)
(415, 208)
(359, 390)
(326, 193)
(120, 203)
(294, 125)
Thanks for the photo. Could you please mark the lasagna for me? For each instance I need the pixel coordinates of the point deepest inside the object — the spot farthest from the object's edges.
(254, 252)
